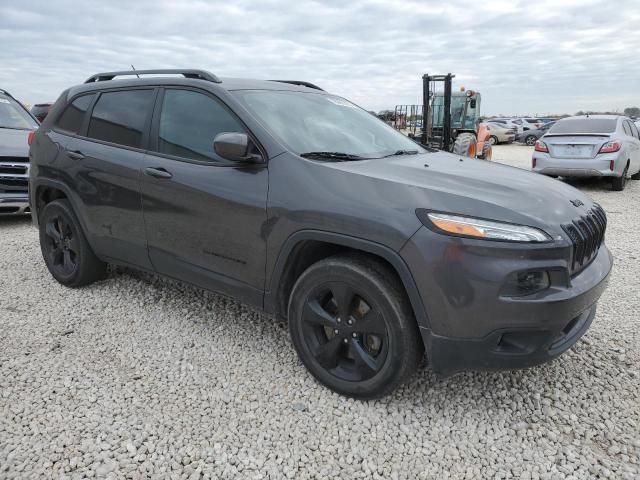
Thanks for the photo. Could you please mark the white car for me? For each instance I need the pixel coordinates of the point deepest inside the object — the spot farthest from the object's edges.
(591, 145)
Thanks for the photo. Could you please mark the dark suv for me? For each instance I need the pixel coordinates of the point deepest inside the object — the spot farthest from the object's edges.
(298, 202)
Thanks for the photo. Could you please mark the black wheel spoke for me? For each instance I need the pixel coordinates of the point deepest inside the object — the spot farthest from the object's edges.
(365, 362)
(372, 323)
(52, 232)
(68, 264)
(327, 354)
(56, 256)
(343, 296)
(315, 314)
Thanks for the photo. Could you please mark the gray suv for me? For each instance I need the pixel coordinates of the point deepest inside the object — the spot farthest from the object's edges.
(376, 249)
(16, 123)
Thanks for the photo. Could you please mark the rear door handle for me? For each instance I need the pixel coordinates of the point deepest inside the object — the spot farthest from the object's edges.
(157, 172)
(75, 154)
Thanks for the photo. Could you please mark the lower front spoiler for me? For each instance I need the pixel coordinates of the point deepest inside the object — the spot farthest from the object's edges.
(14, 205)
(505, 349)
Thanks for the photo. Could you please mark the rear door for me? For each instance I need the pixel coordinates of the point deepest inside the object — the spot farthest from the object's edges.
(105, 161)
(205, 217)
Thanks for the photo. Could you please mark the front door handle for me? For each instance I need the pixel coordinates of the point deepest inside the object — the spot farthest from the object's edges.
(75, 154)
(157, 172)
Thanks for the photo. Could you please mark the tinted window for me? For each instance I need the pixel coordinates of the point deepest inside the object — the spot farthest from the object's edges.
(634, 129)
(584, 125)
(120, 117)
(626, 127)
(72, 117)
(189, 121)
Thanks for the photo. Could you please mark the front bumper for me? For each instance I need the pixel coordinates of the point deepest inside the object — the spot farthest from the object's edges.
(14, 204)
(473, 327)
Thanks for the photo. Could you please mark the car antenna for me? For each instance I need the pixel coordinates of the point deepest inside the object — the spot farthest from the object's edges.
(134, 69)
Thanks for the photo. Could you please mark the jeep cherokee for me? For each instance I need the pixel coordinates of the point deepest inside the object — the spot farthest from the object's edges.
(376, 249)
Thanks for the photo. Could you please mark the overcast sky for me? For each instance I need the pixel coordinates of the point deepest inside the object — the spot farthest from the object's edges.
(526, 57)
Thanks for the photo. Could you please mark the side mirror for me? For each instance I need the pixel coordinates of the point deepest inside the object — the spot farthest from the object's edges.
(234, 147)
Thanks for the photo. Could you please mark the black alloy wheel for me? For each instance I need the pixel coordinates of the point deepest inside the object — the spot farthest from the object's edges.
(61, 246)
(344, 332)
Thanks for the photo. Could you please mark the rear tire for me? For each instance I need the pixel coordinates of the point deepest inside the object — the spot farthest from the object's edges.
(65, 249)
(353, 327)
(618, 183)
(465, 145)
(493, 140)
(530, 140)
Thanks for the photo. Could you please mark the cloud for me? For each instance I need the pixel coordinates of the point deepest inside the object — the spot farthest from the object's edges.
(524, 56)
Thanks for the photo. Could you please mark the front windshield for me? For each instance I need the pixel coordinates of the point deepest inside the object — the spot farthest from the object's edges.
(13, 116)
(312, 122)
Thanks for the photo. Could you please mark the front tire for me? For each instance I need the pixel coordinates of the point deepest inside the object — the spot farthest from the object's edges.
(465, 145)
(353, 327)
(65, 249)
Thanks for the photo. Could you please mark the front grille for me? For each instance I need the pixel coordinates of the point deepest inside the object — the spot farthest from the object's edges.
(14, 174)
(586, 234)
(14, 159)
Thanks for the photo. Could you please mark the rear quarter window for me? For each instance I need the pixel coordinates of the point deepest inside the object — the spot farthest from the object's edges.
(73, 116)
(584, 125)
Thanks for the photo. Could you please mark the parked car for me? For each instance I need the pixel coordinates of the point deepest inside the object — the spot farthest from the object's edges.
(500, 133)
(529, 123)
(592, 145)
(530, 136)
(300, 203)
(514, 123)
(15, 124)
(40, 110)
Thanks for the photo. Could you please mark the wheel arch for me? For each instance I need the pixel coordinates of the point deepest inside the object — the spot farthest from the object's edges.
(304, 248)
(46, 191)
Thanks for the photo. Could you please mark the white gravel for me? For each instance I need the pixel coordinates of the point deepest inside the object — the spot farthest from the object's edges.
(138, 377)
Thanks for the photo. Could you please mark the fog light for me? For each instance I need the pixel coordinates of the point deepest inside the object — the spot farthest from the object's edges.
(519, 284)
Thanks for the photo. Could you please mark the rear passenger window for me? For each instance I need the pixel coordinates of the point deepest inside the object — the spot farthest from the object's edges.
(634, 130)
(73, 116)
(120, 117)
(627, 128)
(189, 121)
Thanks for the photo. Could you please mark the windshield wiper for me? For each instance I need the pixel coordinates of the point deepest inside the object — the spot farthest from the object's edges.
(333, 155)
(401, 152)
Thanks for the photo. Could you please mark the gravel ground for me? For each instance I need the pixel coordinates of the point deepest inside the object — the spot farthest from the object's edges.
(139, 377)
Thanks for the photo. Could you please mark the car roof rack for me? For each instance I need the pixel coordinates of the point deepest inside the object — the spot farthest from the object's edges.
(197, 74)
(300, 83)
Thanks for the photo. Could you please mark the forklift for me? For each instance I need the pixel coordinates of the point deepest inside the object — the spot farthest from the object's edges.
(446, 120)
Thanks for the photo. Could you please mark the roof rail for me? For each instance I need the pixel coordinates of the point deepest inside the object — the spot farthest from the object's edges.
(300, 83)
(198, 74)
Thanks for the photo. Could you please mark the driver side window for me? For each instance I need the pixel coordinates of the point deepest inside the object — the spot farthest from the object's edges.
(189, 122)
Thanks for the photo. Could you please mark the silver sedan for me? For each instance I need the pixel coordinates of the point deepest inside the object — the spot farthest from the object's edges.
(590, 145)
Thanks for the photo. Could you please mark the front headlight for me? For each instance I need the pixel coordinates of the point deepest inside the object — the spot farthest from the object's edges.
(479, 228)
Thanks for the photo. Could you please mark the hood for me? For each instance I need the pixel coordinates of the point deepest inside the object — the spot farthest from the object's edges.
(13, 143)
(479, 188)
